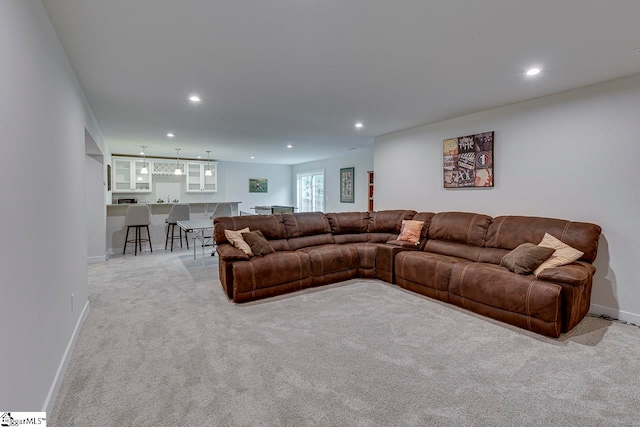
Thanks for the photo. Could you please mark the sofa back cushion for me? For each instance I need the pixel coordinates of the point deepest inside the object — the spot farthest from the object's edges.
(425, 217)
(459, 234)
(459, 227)
(307, 229)
(388, 221)
(508, 232)
(348, 222)
(271, 226)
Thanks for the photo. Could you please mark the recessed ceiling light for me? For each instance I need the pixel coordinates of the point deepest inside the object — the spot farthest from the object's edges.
(194, 98)
(170, 135)
(359, 125)
(252, 157)
(199, 157)
(289, 146)
(533, 71)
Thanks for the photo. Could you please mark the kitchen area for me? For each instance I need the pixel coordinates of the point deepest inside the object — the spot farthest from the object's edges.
(157, 184)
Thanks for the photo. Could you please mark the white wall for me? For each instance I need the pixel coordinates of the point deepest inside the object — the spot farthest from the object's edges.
(96, 211)
(572, 155)
(361, 160)
(235, 181)
(43, 116)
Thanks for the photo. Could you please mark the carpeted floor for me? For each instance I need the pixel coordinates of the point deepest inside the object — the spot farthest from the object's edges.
(163, 346)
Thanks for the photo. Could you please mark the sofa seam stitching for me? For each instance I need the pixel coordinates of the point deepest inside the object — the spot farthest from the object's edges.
(504, 218)
(464, 272)
(253, 277)
(527, 302)
(564, 232)
(469, 229)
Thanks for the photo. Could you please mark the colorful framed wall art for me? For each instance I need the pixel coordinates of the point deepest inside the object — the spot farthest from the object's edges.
(468, 161)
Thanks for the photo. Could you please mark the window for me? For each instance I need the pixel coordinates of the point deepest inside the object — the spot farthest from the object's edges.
(311, 191)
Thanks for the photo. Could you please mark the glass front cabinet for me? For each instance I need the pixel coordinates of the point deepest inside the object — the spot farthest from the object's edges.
(198, 180)
(128, 178)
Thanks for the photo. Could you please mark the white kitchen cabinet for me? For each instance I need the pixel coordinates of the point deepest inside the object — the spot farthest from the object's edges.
(197, 179)
(127, 177)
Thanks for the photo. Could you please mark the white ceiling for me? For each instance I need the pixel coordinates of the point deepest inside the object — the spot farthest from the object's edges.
(302, 72)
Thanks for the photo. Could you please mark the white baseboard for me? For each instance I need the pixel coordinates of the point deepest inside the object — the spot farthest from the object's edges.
(62, 368)
(96, 259)
(615, 313)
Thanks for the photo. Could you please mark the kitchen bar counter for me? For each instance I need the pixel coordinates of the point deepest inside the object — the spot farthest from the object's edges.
(116, 229)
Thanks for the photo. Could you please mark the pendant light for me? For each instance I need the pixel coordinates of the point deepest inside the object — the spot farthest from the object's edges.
(178, 171)
(144, 170)
(208, 171)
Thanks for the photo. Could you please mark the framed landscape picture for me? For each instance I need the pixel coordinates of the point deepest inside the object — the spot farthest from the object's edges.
(258, 185)
(346, 185)
(468, 161)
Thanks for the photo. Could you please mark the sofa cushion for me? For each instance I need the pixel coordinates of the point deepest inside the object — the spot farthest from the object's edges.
(258, 244)
(410, 231)
(270, 225)
(460, 250)
(461, 227)
(507, 232)
(494, 291)
(563, 254)
(526, 258)
(388, 221)
(236, 239)
(305, 224)
(348, 222)
(330, 258)
(382, 237)
(426, 269)
(366, 254)
(307, 229)
(270, 270)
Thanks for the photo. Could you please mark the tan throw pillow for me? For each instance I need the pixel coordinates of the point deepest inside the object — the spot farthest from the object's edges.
(410, 231)
(563, 255)
(526, 258)
(259, 245)
(235, 237)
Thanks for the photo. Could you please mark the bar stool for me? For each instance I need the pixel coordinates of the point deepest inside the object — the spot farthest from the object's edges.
(179, 212)
(138, 217)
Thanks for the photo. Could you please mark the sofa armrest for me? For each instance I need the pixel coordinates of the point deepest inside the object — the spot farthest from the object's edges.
(575, 274)
(385, 261)
(228, 252)
(576, 280)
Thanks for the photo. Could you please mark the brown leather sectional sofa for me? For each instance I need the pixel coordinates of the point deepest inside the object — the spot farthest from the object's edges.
(457, 261)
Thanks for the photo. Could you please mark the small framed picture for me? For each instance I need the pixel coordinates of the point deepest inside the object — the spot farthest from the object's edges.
(258, 185)
(346, 185)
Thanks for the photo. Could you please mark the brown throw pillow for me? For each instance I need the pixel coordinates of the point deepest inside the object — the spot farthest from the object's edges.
(258, 244)
(526, 258)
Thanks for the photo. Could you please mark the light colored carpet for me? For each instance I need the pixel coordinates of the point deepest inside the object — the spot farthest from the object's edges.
(163, 346)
